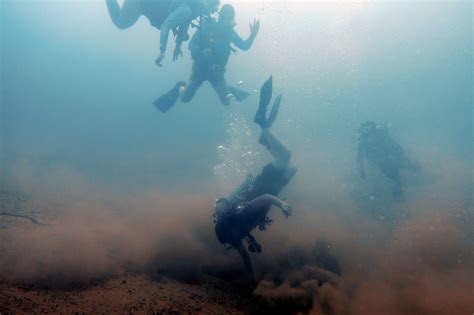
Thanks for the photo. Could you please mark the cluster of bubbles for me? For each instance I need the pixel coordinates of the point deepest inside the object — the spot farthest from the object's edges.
(238, 156)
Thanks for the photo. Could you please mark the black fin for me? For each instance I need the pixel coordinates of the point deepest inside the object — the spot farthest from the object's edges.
(265, 97)
(167, 100)
(274, 112)
(266, 94)
(240, 95)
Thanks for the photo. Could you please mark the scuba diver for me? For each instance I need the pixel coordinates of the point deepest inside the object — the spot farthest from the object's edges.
(174, 15)
(210, 50)
(247, 208)
(376, 145)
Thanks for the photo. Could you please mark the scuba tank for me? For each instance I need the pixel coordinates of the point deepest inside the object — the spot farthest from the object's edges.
(238, 195)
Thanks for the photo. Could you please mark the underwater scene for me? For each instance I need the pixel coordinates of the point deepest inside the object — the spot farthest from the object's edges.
(236, 157)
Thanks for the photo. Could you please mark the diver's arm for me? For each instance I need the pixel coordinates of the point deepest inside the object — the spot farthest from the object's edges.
(405, 161)
(177, 17)
(183, 29)
(243, 44)
(177, 50)
(182, 34)
(397, 151)
(181, 37)
(268, 200)
(397, 148)
(246, 44)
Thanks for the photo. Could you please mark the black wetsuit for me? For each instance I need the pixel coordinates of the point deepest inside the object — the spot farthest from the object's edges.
(271, 180)
(216, 37)
(237, 223)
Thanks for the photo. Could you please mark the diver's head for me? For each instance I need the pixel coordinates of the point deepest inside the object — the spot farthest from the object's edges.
(227, 14)
(212, 6)
(367, 127)
(221, 206)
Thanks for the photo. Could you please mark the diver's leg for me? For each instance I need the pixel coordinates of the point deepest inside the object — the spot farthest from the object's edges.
(182, 32)
(248, 262)
(220, 86)
(393, 172)
(125, 16)
(166, 101)
(179, 16)
(188, 92)
(195, 81)
(281, 153)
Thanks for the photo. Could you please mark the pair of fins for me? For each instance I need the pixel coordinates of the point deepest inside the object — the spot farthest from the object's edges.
(266, 93)
(167, 100)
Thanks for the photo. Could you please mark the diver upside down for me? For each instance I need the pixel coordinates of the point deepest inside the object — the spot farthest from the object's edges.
(247, 208)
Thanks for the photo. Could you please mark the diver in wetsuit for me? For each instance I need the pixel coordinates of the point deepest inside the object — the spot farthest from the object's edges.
(210, 50)
(175, 15)
(247, 208)
(376, 145)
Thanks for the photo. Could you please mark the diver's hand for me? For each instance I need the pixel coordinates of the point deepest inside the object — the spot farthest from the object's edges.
(286, 208)
(177, 53)
(160, 59)
(254, 27)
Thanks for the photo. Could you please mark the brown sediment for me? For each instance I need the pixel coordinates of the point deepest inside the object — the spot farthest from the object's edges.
(127, 294)
(91, 242)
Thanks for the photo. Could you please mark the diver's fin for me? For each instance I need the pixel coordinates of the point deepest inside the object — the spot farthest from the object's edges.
(274, 112)
(261, 118)
(266, 94)
(265, 97)
(167, 100)
(240, 95)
